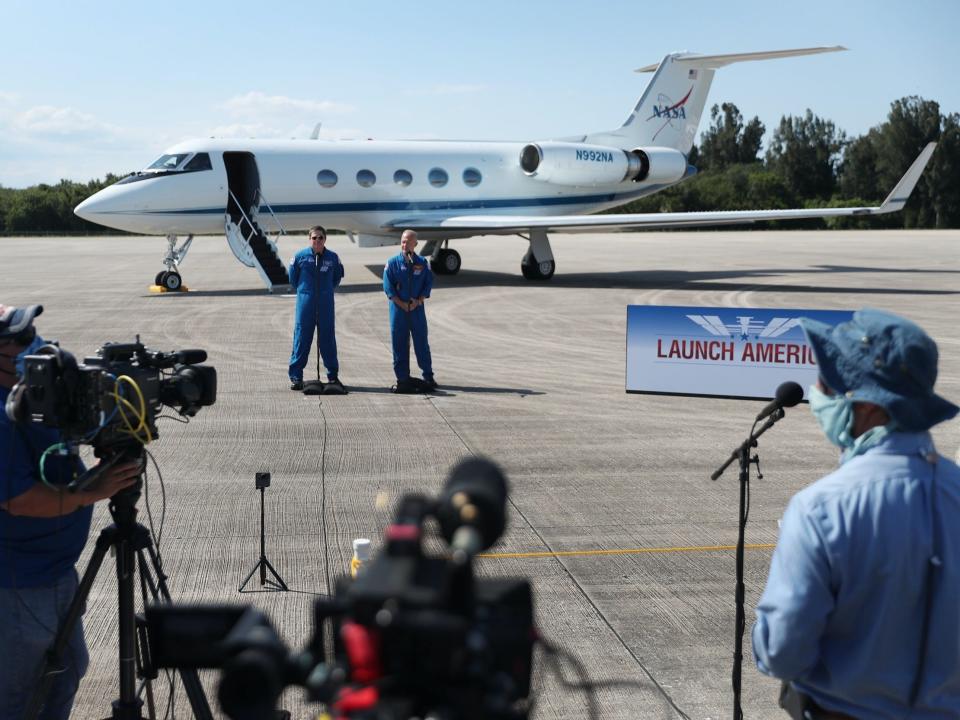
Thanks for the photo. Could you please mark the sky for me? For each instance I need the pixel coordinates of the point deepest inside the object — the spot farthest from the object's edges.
(96, 87)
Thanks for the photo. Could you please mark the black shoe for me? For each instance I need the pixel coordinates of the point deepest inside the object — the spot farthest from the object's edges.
(296, 385)
(429, 383)
(408, 386)
(335, 387)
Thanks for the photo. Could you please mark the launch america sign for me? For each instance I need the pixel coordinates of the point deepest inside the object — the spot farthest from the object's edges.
(719, 352)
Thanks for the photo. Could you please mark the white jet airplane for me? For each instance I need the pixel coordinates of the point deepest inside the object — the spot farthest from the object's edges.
(442, 189)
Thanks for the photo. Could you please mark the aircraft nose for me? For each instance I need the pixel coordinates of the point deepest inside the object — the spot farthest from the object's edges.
(114, 207)
(95, 207)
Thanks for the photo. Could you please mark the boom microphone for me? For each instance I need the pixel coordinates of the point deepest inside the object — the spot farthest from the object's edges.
(788, 394)
(472, 506)
(192, 356)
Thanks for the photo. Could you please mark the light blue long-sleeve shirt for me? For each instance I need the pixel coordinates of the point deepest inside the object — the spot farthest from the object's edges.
(842, 613)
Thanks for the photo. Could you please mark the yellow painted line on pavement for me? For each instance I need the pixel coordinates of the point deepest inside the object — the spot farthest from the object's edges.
(627, 551)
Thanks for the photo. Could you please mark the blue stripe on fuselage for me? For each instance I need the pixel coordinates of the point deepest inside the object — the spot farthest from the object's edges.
(431, 206)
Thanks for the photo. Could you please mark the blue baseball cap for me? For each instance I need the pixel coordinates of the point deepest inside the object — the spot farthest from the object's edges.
(15, 320)
(884, 359)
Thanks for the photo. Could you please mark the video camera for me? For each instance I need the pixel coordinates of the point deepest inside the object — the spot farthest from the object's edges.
(111, 400)
(414, 635)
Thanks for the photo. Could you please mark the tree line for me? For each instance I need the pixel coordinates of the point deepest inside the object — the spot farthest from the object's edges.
(809, 162)
(49, 208)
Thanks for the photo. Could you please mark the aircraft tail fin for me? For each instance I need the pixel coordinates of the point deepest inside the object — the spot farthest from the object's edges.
(668, 113)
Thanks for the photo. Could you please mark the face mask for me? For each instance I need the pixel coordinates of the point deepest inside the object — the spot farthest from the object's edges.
(30, 349)
(834, 414)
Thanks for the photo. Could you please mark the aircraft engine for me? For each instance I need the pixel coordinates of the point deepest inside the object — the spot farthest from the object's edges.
(659, 164)
(578, 164)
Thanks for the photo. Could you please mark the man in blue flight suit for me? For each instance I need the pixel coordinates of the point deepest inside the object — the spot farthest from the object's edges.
(407, 281)
(315, 272)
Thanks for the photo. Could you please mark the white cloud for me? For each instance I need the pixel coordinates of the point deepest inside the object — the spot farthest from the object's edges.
(256, 114)
(255, 104)
(45, 143)
(47, 120)
(8, 98)
(270, 130)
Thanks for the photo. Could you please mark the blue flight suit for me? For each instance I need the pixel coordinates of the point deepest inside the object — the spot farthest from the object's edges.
(408, 281)
(315, 277)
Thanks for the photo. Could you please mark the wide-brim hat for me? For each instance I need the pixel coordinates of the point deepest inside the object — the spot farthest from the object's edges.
(17, 319)
(884, 359)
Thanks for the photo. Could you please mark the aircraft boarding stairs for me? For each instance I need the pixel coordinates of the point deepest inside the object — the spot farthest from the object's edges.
(252, 245)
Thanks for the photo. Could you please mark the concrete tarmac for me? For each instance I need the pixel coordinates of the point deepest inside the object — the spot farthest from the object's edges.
(532, 375)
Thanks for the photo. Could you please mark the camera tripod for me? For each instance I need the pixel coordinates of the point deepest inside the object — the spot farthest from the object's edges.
(276, 582)
(133, 549)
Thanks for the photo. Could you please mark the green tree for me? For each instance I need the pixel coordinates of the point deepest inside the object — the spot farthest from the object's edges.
(858, 171)
(805, 152)
(6, 196)
(912, 123)
(875, 162)
(727, 141)
(944, 179)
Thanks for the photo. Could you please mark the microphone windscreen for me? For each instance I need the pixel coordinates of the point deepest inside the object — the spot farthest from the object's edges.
(193, 356)
(789, 394)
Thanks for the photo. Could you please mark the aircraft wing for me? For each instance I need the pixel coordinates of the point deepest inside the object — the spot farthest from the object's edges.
(502, 224)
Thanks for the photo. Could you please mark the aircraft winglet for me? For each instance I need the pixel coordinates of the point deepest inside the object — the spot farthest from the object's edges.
(901, 192)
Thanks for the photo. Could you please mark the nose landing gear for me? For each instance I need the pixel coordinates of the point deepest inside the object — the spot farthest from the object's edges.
(170, 280)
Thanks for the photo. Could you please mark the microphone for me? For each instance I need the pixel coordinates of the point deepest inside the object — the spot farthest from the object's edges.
(472, 507)
(788, 394)
(192, 356)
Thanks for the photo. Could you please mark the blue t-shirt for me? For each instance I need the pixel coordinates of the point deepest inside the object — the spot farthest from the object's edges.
(35, 552)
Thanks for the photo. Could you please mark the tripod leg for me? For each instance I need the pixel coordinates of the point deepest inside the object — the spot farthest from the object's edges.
(275, 574)
(258, 566)
(191, 681)
(129, 704)
(52, 659)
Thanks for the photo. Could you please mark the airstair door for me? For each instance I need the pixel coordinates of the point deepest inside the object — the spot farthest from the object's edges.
(248, 241)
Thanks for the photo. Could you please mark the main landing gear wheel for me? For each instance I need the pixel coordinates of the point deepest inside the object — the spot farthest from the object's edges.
(533, 270)
(170, 280)
(447, 262)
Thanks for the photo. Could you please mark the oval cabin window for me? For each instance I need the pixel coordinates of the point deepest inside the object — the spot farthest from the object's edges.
(327, 178)
(471, 177)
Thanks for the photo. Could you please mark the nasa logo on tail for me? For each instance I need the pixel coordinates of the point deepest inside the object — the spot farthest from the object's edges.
(667, 110)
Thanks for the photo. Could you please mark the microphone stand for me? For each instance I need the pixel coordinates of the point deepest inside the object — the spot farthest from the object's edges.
(742, 454)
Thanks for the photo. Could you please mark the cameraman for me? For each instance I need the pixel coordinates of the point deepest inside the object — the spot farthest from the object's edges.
(42, 533)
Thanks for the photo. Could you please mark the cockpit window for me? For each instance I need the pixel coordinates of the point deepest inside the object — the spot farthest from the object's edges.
(200, 161)
(171, 165)
(168, 162)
